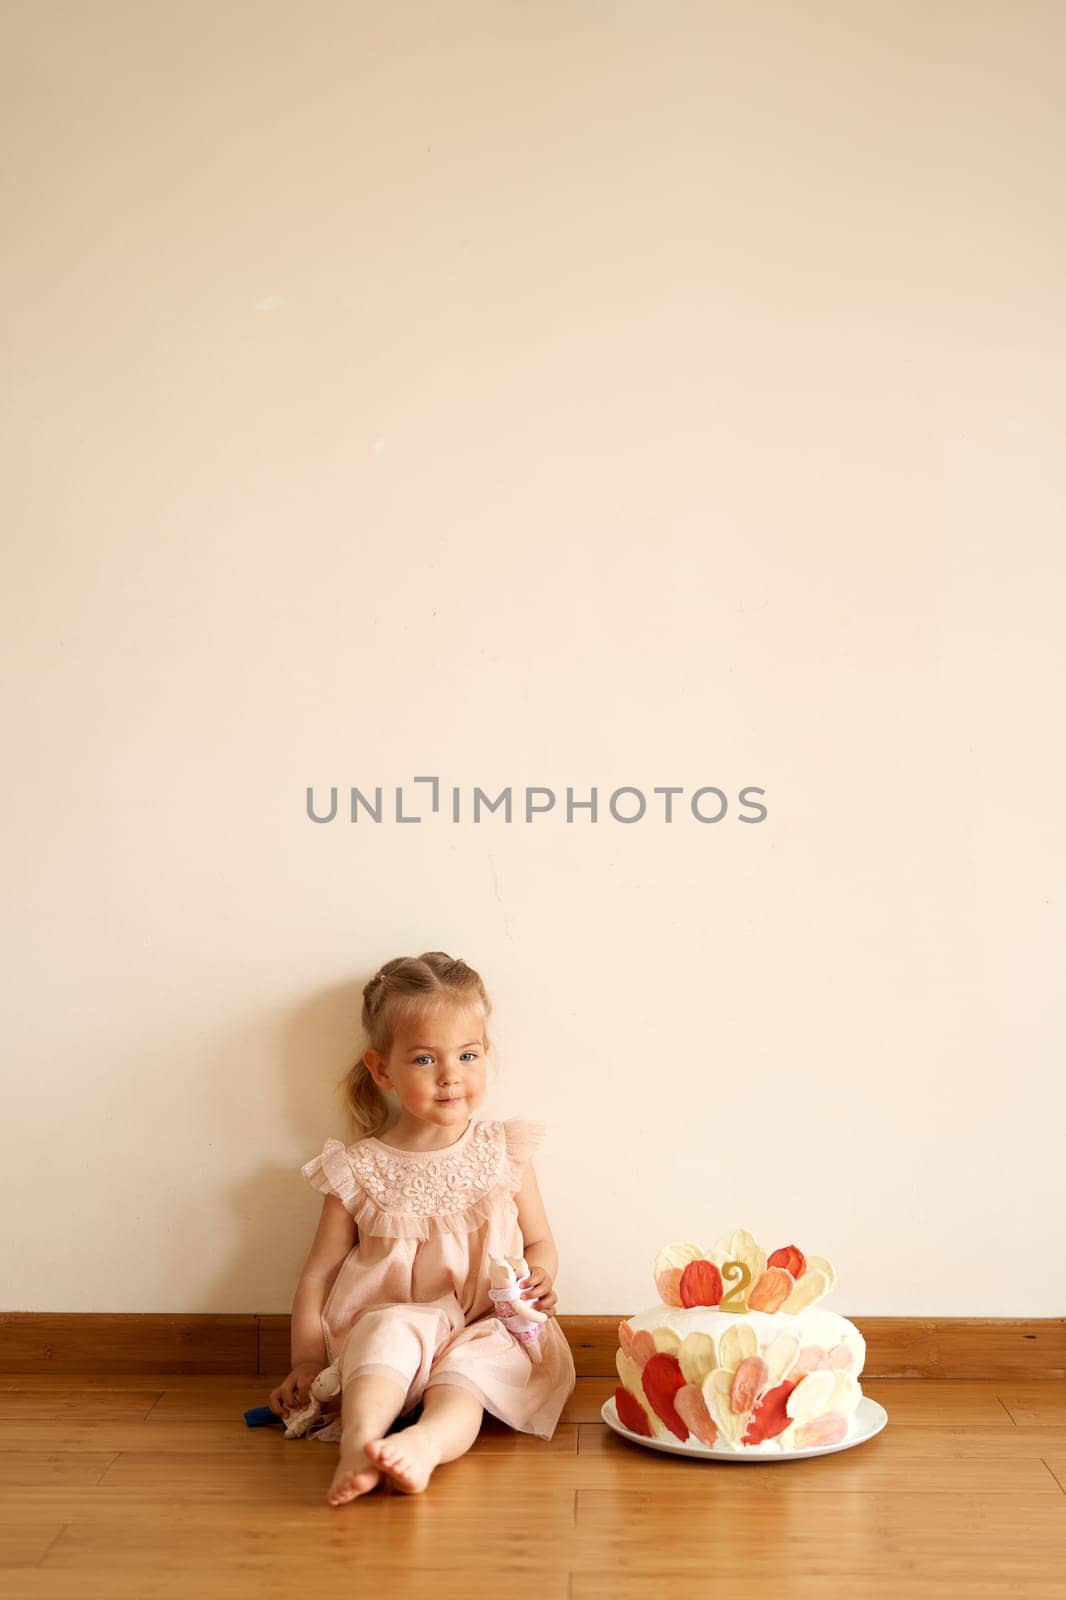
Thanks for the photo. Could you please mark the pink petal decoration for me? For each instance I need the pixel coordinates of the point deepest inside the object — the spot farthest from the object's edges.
(692, 1409)
(668, 1284)
(625, 1338)
(771, 1291)
(812, 1358)
(842, 1358)
(830, 1428)
(749, 1381)
(643, 1348)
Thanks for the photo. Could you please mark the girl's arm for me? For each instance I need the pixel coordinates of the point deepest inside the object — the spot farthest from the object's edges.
(307, 1341)
(538, 1243)
(333, 1241)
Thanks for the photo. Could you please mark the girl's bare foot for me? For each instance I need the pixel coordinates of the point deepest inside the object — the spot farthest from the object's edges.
(355, 1474)
(407, 1458)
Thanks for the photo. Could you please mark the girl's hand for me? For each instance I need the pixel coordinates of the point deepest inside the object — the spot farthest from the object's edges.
(295, 1391)
(539, 1290)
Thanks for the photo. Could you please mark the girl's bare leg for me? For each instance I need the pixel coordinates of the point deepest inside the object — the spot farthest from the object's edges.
(370, 1404)
(449, 1424)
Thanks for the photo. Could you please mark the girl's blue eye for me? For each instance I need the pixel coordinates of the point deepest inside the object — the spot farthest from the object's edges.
(419, 1059)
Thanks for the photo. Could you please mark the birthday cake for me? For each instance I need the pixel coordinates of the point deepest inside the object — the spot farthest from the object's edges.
(738, 1356)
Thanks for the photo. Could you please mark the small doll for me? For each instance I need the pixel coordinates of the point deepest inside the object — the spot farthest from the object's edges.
(326, 1387)
(516, 1314)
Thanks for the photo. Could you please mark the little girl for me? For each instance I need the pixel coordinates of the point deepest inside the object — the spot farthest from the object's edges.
(396, 1283)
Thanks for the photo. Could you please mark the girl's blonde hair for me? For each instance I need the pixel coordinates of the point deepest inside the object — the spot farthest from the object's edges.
(405, 988)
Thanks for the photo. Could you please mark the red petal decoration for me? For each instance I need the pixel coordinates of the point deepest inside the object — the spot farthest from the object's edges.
(793, 1260)
(770, 1418)
(662, 1378)
(631, 1413)
(701, 1284)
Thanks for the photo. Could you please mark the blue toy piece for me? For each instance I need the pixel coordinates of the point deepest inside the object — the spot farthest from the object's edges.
(263, 1417)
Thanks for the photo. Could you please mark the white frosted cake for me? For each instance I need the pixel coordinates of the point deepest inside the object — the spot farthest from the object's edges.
(738, 1356)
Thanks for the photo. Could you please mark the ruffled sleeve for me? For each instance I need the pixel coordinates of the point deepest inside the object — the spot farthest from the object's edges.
(522, 1136)
(331, 1173)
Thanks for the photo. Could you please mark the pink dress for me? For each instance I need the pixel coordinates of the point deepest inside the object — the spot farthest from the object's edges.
(412, 1296)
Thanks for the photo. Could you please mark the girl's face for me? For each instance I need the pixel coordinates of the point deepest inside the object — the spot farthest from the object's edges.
(437, 1068)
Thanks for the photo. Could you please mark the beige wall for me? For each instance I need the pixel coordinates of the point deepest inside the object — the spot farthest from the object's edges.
(538, 394)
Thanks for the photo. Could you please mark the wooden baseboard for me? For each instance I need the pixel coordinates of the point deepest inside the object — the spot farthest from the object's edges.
(897, 1347)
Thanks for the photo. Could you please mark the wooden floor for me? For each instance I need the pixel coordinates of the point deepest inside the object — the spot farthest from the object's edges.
(117, 1487)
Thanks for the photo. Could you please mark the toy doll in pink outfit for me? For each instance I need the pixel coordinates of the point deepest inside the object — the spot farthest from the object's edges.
(395, 1294)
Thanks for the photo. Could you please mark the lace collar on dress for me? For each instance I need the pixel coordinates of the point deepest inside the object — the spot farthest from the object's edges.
(412, 1194)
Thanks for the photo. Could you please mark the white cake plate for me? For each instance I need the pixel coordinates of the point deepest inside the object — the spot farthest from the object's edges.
(870, 1418)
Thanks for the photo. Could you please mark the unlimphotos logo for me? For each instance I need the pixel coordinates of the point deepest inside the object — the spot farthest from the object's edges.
(625, 804)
